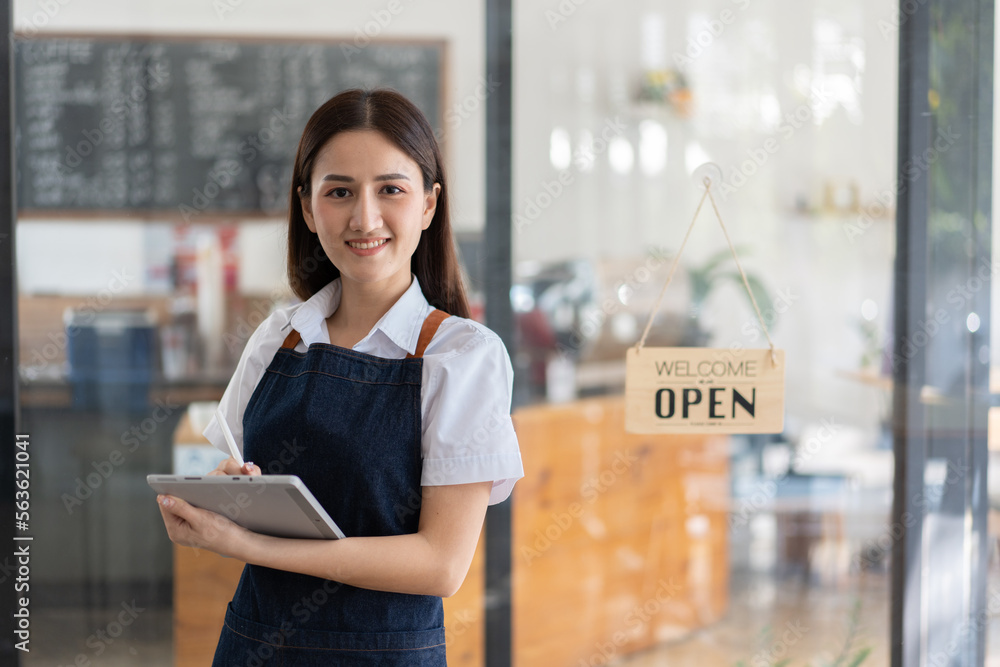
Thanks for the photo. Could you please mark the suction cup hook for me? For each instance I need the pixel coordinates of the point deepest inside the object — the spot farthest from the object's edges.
(708, 175)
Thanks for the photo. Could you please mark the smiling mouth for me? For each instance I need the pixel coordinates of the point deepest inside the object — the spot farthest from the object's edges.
(366, 245)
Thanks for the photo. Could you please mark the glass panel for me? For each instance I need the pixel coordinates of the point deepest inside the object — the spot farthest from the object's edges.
(941, 353)
(992, 628)
(957, 350)
(135, 306)
(696, 549)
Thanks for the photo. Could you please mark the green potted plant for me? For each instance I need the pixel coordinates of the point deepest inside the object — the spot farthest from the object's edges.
(703, 278)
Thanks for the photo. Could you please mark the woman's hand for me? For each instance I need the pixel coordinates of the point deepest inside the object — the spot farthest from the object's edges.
(231, 467)
(190, 526)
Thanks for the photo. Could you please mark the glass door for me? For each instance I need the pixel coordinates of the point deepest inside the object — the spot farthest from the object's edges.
(153, 152)
(942, 352)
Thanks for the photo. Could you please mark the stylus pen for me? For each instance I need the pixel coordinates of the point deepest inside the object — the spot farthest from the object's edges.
(230, 440)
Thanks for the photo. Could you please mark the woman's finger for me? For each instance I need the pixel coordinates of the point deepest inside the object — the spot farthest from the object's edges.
(250, 469)
(175, 524)
(175, 505)
(228, 466)
(177, 515)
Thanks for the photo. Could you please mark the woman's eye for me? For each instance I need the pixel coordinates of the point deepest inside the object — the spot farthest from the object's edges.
(392, 189)
(339, 193)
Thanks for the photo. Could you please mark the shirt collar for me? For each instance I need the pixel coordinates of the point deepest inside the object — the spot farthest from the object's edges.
(401, 324)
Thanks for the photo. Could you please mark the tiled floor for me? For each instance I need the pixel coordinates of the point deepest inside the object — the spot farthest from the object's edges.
(806, 622)
(815, 619)
(62, 637)
(770, 619)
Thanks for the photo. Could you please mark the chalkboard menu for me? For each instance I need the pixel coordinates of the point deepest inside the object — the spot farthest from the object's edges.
(187, 127)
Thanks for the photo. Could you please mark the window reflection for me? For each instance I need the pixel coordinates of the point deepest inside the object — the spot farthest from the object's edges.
(560, 148)
(652, 147)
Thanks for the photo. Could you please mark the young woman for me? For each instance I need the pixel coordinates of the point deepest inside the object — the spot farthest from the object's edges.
(378, 392)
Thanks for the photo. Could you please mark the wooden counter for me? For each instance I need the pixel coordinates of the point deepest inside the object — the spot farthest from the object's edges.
(620, 542)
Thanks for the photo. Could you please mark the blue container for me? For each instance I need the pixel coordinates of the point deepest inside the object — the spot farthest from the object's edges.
(111, 359)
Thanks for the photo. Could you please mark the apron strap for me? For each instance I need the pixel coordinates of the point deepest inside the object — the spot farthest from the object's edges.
(427, 331)
(292, 340)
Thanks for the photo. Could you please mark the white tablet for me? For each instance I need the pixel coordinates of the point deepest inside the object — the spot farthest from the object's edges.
(278, 505)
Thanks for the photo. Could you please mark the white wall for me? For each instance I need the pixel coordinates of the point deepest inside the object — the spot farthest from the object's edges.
(55, 257)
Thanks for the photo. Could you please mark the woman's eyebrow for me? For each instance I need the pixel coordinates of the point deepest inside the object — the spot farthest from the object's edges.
(348, 179)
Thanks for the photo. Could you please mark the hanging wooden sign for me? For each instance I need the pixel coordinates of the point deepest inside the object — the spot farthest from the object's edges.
(704, 390)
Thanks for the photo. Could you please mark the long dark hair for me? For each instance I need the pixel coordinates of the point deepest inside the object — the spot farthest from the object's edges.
(434, 262)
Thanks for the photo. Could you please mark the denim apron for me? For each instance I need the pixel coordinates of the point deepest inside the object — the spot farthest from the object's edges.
(348, 424)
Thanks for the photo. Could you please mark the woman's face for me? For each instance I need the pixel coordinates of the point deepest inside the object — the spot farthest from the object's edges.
(368, 206)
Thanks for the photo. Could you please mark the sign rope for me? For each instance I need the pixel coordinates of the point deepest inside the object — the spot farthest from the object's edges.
(670, 276)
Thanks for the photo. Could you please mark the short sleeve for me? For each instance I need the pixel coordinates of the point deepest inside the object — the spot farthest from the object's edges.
(468, 435)
(234, 400)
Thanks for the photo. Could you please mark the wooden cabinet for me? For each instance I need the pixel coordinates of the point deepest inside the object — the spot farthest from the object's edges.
(203, 585)
(620, 540)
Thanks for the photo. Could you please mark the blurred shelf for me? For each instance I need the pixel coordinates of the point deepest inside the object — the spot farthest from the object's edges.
(56, 391)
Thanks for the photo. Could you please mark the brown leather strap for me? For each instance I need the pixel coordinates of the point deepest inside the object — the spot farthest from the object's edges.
(427, 331)
(292, 340)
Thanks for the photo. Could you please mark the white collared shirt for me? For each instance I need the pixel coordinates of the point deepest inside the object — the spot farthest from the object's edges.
(466, 385)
